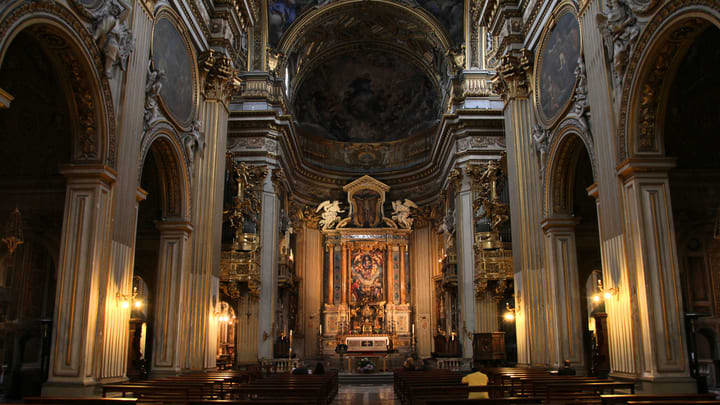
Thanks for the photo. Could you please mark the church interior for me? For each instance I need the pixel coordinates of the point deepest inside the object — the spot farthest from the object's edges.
(394, 194)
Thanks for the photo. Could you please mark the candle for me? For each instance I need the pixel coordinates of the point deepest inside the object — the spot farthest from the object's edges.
(290, 333)
(413, 329)
(320, 329)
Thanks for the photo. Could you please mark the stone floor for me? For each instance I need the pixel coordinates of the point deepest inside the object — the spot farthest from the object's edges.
(366, 395)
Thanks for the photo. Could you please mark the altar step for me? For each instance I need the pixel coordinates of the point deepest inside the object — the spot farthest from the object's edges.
(371, 378)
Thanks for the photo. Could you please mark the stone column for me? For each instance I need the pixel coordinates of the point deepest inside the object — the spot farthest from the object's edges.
(564, 289)
(465, 265)
(390, 277)
(403, 276)
(652, 258)
(84, 257)
(331, 274)
(170, 302)
(269, 236)
(524, 186)
(208, 169)
(344, 286)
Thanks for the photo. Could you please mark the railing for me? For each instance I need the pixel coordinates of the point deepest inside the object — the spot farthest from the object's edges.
(280, 365)
(453, 364)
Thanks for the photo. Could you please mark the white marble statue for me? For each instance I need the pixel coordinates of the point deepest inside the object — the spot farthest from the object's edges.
(401, 213)
(331, 209)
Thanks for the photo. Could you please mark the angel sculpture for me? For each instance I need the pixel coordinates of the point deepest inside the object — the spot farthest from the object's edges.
(331, 209)
(401, 213)
(619, 28)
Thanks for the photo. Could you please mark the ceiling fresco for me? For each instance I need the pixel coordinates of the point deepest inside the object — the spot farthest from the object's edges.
(366, 96)
(282, 13)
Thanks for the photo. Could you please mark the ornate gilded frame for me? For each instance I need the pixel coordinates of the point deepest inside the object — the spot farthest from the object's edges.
(166, 12)
(560, 11)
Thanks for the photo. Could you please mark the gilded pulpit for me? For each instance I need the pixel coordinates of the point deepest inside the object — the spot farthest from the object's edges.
(366, 269)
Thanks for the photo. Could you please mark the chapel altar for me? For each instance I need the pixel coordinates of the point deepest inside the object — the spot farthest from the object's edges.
(366, 271)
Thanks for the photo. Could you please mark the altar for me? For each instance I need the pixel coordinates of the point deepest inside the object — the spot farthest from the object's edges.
(366, 273)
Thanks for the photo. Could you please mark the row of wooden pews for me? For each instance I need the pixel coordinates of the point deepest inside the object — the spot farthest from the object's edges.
(222, 387)
(528, 386)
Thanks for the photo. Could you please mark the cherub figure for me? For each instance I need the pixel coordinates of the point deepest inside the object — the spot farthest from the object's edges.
(330, 209)
(401, 213)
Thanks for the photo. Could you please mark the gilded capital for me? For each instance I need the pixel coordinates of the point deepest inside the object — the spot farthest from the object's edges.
(218, 74)
(513, 81)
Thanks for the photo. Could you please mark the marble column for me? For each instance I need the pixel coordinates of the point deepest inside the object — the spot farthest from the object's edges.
(269, 239)
(390, 277)
(84, 257)
(403, 276)
(564, 290)
(170, 300)
(208, 169)
(652, 256)
(344, 286)
(465, 265)
(330, 248)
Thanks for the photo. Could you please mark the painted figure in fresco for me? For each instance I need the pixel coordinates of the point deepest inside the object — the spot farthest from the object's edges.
(282, 13)
(367, 278)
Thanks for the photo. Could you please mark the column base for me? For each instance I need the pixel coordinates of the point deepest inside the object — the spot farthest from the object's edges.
(56, 389)
(668, 385)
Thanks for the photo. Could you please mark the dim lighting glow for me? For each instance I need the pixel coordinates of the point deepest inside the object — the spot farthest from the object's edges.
(596, 298)
(138, 304)
(509, 316)
(607, 295)
(125, 304)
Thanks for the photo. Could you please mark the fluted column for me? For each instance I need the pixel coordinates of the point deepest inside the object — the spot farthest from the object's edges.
(403, 276)
(486, 311)
(344, 286)
(652, 256)
(564, 290)
(465, 231)
(169, 301)
(524, 185)
(269, 236)
(84, 257)
(390, 277)
(421, 243)
(208, 181)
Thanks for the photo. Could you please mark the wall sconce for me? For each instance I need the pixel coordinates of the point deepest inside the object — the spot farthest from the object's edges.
(126, 299)
(13, 236)
(509, 314)
(224, 318)
(603, 293)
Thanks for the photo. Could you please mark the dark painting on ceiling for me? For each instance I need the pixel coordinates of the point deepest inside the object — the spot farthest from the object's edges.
(171, 55)
(366, 97)
(282, 13)
(559, 52)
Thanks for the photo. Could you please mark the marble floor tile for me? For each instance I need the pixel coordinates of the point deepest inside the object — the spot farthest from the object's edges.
(366, 395)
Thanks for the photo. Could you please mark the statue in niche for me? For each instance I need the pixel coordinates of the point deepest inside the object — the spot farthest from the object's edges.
(329, 214)
(447, 228)
(401, 212)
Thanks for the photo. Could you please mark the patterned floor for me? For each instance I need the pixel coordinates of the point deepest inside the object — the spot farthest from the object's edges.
(366, 395)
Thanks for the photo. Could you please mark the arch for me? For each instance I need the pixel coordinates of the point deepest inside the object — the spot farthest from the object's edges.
(173, 170)
(568, 141)
(81, 63)
(658, 53)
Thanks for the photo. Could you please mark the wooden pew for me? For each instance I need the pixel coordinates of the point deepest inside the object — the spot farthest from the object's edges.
(621, 399)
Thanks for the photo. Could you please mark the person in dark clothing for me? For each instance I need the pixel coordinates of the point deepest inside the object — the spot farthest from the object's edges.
(319, 368)
(300, 369)
(566, 369)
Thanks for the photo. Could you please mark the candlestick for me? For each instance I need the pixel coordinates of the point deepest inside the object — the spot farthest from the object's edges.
(413, 329)
(320, 329)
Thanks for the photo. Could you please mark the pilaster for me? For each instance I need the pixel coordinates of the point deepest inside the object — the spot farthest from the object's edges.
(208, 180)
(84, 258)
(268, 269)
(564, 290)
(169, 338)
(652, 253)
(465, 264)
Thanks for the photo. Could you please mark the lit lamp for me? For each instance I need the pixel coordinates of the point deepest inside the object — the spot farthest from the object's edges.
(126, 299)
(13, 231)
(509, 314)
(603, 293)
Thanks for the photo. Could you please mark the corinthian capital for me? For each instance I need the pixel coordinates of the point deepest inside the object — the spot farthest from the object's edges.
(513, 78)
(218, 75)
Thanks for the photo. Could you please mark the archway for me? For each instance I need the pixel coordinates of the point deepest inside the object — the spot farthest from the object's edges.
(572, 235)
(161, 251)
(36, 137)
(689, 129)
